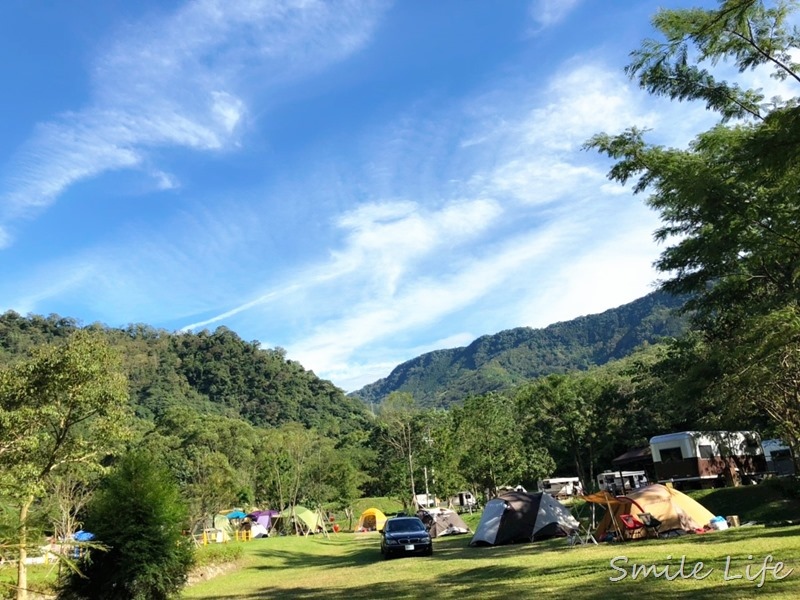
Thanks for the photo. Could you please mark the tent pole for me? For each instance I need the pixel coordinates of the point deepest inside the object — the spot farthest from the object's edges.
(324, 522)
(614, 521)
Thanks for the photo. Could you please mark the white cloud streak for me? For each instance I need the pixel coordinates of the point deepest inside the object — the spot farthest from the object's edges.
(175, 82)
(546, 13)
(408, 266)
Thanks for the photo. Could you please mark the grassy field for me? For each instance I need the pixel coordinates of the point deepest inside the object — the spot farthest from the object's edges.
(349, 566)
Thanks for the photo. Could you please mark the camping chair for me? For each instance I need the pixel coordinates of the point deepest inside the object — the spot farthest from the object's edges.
(581, 536)
(651, 524)
(586, 528)
(632, 527)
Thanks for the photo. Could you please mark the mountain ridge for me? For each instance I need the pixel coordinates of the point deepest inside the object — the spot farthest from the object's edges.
(494, 362)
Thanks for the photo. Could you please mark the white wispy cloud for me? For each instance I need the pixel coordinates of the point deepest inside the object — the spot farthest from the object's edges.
(420, 250)
(546, 13)
(179, 80)
(420, 303)
(583, 252)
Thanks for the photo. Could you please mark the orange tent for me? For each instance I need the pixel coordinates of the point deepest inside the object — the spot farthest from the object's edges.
(674, 509)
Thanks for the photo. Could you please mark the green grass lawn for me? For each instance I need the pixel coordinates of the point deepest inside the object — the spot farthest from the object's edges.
(350, 566)
(773, 500)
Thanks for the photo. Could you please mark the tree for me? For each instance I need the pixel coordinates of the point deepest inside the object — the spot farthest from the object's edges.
(492, 451)
(211, 457)
(562, 409)
(297, 464)
(729, 201)
(65, 405)
(67, 496)
(138, 516)
(397, 415)
(440, 452)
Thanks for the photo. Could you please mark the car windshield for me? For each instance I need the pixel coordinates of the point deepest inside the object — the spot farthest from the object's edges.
(394, 525)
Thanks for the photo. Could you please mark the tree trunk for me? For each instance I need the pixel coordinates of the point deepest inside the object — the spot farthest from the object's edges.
(22, 567)
(413, 487)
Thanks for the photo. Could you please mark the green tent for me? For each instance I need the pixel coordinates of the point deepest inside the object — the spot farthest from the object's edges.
(299, 519)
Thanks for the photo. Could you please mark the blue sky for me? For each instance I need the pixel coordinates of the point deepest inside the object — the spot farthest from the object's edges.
(356, 182)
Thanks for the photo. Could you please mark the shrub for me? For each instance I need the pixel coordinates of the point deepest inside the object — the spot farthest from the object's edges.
(138, 516)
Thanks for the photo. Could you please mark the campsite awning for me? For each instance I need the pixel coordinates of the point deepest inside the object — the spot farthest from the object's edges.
(633, 457)
(608, 499)
(605, 497)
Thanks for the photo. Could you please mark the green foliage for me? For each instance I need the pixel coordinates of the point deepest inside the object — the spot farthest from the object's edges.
(215, 554)
(729, 207)
(743, 32)
(63, 405)
(212, 457)
(492, 448)
(261, 385)
(61, 409)
(562, 412)
(498, 362)
(211, 373)
(138, 516)
(402, 438)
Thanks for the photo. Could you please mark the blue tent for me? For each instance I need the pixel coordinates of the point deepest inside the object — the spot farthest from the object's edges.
(81, 536)
(236, 514)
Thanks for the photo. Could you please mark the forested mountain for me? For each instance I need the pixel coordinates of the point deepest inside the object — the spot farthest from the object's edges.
(211, 372)
(218, 372)
(495, 362)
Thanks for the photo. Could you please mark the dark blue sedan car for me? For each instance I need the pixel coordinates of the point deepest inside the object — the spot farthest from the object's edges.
(402, 536)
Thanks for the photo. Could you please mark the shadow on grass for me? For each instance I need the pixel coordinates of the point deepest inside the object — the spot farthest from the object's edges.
(361, 553)
(586, 575)
(587, 581)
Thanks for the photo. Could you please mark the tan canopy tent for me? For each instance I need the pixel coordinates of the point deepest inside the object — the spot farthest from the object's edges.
(371, 519)
(442, 521)
(674, 509)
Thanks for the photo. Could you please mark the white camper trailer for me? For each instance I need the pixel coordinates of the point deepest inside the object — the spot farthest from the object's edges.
(464, 501)
(779, 457)
(621, 482)
(561, 487)
(708, 458)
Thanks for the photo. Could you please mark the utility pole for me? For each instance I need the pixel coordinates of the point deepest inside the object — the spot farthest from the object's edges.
(427, 495)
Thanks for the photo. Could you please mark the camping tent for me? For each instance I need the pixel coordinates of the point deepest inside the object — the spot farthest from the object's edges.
(675, 510)
(223, 531)
(442, 521)
(521, 517)
(371, 519)
(300, 519)
(263, 517)
(261, 522)
(82, 536)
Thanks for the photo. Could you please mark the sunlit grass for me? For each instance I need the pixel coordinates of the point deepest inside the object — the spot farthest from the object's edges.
(350, 566)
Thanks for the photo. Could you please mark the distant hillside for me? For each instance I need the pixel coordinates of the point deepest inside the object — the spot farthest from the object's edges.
(495, 362)
(215, 373)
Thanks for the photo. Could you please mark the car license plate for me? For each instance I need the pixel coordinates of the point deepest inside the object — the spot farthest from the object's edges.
(409, 547)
